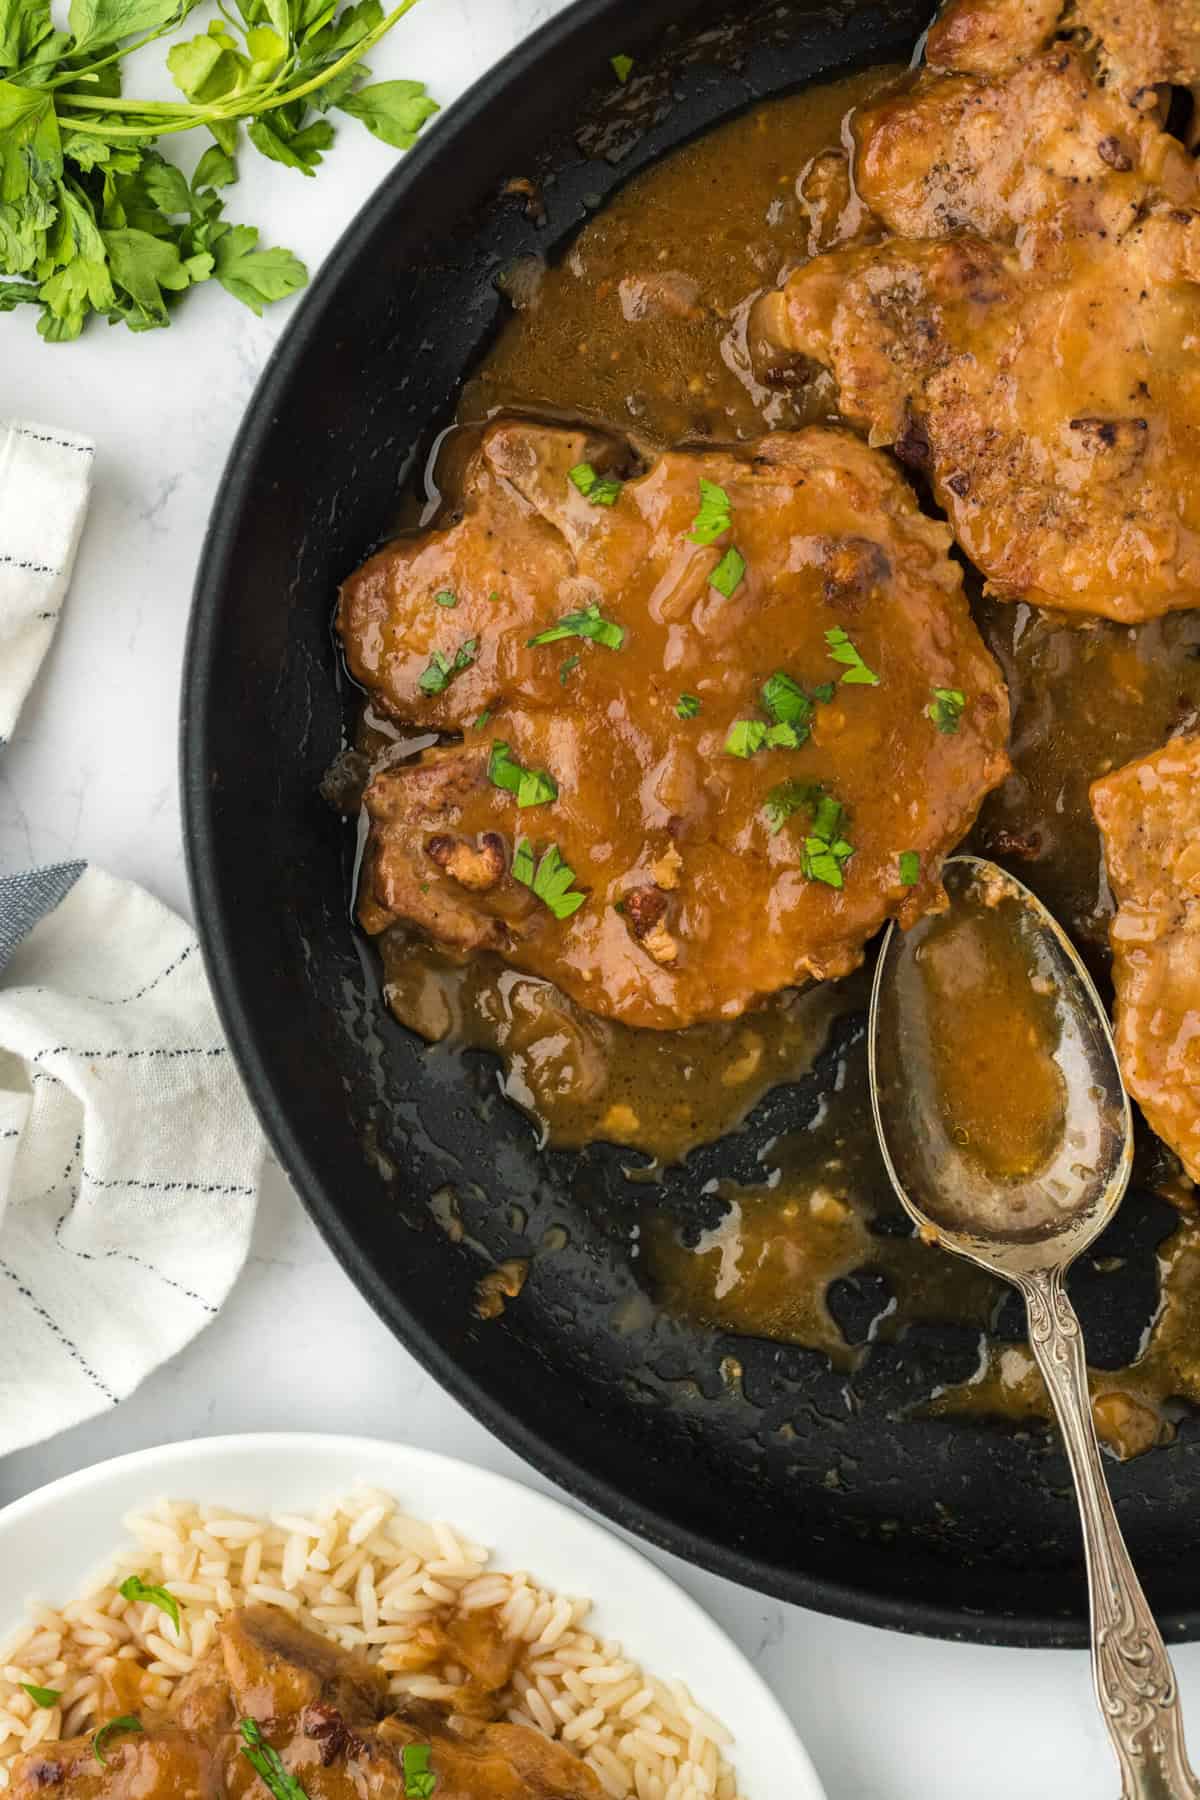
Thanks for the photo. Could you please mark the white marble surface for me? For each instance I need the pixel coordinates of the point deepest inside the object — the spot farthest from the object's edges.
(92, 773)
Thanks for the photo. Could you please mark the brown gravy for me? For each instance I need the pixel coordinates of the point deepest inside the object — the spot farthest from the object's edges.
(643, 325)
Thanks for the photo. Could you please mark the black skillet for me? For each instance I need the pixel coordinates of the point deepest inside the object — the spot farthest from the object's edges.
(833, 1493)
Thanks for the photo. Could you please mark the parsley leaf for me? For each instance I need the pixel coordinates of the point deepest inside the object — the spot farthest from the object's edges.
(910, 868)
(268, 1764)
(727, 576)
(601, 490)
(826, 851)
(392, 110)
(715, 516)
(255, 276)
(785, 799)
(748, 736)
(622, 67)
(445, 598)
(788, 704)
(687, 705)
(946, 709)
(550, 878)
(44, 1697)
(134, 1588)
(533, 787)
(94, 220)
(441, 670)
(127, 1722)
(589, 624)
(843, 651)
(564, 668)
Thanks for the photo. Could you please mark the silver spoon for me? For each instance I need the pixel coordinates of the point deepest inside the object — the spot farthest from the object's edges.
(1008, 1137)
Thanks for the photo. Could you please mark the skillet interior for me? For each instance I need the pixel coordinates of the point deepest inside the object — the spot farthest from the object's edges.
(784, 1478)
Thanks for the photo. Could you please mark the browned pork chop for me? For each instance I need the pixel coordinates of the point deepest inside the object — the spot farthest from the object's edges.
(1149, 814)
(676, 791)
(1051, 395)
(325, 1715)
(1138, 44)
(992, 153)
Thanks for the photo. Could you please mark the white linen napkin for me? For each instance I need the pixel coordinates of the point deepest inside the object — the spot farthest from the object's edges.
(129, 1154)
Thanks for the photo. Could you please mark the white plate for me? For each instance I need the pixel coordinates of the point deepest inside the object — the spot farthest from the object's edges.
(51, 1541)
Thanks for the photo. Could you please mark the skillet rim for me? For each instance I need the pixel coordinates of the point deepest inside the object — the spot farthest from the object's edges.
(834, 1597)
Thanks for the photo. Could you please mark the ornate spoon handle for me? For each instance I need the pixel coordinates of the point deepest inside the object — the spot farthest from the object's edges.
(1135, 1682)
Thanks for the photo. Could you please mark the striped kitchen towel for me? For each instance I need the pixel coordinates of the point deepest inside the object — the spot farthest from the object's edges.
(129, 1155)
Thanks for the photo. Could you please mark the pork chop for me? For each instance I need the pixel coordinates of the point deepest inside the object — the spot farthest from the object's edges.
(1051, 395)
(726, 767)
(1149, 816)
(1138, 44)
(991, 153)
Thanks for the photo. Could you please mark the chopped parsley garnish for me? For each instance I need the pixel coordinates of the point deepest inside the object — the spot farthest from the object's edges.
(727, 576)
(44, 1697)
(785, 799)
(946, 709)
(126, 1722)
(824, 693)
(748, 736)
(715, 516)
(843, 651)
(587, 624)
(550, 878)
(268, 1764)
(442, 670)
(446, 598)
(479, 723)
(826, 851)
(788, 704)
(622, 67)
(533, 787)
(564, 668)
(134, 1588)
(910, 868)
(601, 490)
(687, 705)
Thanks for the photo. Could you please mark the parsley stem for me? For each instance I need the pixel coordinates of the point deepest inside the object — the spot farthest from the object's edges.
(177, 115)
(71, 75)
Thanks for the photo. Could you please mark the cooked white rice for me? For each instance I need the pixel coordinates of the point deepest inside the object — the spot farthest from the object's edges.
(366, 1575)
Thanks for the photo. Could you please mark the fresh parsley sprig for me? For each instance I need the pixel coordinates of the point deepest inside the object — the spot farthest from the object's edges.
(95, 221)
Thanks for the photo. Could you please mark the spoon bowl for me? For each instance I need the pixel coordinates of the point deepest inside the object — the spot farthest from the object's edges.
(995, 1086)
(1008, 1136)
